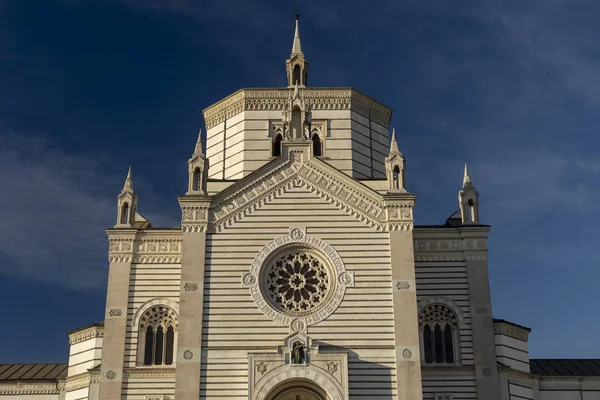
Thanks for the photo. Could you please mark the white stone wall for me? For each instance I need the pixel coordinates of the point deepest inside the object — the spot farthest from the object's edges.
(234, 325)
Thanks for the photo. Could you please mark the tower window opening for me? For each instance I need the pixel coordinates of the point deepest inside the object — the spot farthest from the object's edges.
(471, 211)
(197, 179)
(276, 150)
(396, 177)
(125, 213)
(316, 145)
(296, 75)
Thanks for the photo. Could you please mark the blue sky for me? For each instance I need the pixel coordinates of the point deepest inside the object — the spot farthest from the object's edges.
(88, 88)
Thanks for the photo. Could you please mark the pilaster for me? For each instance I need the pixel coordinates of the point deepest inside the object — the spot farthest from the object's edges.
(482, 325)
(115, 320)
(399, 208)
(194, 209)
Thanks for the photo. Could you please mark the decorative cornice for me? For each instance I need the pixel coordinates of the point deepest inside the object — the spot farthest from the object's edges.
(515, 332)
(78, 381)
(28, 388)
(517, 377)
(319, 99)
(86, 334)
(569, 383)
(301, 171)
(435, 257)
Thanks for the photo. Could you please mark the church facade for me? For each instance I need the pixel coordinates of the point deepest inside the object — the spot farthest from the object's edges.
(297, 273)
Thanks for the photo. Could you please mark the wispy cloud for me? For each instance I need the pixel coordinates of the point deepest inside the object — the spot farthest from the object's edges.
(54, 208)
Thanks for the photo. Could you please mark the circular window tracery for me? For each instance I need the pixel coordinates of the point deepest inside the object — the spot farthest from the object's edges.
(297, 282)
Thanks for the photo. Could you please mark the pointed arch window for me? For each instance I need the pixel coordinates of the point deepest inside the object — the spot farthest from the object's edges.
(125, 213)
(296, 76)
(157, 336)
(438, 326)
(316, 145)
(197, 179)
(276, 149)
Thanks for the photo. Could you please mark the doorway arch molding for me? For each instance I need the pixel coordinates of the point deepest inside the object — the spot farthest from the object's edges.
(307, 374)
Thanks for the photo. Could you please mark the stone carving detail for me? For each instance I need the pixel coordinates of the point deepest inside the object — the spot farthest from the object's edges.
(298, 325)
(249, 279)
(157, 249)
(296, 234)
(115, 312)
(407, 353)
(277, 99)
(347, 278)
(513, 332)
(188, 355)
(194, 215)
(262, 368)
(403, 285)
(159, 315)
(332, 185)
(297, 280)
(120, 246)
(400, 214)
(190, 287)
(437, 314)
(111, 374)
(332, 367)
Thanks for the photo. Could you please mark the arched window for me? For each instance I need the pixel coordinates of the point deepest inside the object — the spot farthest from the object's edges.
(296, 76)
(276, 150)
(438, 326)
(125, 213)
(471, 211)
(316, 145)
(396, 177)
(197, 179)
(156, 337)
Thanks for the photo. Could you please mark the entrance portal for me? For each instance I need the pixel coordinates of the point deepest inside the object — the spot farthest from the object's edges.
(297, 390)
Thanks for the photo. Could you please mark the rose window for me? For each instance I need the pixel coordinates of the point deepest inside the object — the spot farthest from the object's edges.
(297, 282)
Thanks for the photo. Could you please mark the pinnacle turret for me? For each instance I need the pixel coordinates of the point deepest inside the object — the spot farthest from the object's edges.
(296, 65)
(128, 186)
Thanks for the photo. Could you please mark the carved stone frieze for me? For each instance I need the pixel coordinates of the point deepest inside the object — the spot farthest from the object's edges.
(8, 388)
(514, 332)
(120, 246)
(194, 215)
(78, 381)
(276, 99)
(302, 171)
(86, 334)
(150, 373)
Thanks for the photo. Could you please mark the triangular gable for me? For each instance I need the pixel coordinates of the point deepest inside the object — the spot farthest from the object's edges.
(274, 178)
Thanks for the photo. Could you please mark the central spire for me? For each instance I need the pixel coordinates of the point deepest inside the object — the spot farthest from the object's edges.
(296, 65)
(297, 46)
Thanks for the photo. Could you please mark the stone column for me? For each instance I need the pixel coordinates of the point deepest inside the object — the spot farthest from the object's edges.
(406, 330)
(115, 318)
(482, 325)
(194, 210)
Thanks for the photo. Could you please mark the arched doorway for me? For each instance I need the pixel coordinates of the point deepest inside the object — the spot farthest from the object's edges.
(297, 389)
